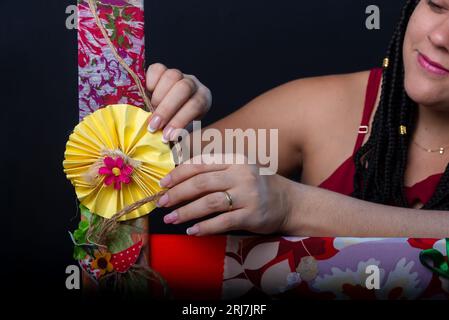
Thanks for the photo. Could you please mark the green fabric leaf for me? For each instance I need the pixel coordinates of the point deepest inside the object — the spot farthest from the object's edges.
(80, 237)
(84, 211)
(79, 253)
(83, 225)
(121, 239)
(95, 220)
(78, 234)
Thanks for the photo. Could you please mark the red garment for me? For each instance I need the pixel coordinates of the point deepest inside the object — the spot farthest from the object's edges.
(341, 180)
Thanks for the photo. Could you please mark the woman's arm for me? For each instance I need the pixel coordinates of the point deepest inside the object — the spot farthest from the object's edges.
(318, 212)
(311, 114)
(275, 204)
(279, 108)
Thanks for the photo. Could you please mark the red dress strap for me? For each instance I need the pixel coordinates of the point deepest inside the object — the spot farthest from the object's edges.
(372, 91)
(341, 180)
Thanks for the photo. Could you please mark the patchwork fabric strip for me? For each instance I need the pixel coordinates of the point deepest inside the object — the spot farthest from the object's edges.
(103, 157)
(102, 79)
(273, 267)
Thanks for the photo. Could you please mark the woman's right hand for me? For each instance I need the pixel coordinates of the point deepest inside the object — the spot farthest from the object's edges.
(244, 198)
(178, 98)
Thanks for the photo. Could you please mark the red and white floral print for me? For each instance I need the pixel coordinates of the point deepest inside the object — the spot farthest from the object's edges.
(102, 80)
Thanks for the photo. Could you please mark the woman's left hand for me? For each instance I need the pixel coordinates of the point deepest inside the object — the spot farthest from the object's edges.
(259, 202)
(178, 98)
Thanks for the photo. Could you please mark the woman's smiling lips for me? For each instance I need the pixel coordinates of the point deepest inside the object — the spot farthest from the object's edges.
(431, 66)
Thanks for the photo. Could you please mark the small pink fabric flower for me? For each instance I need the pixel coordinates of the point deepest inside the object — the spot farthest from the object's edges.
(116, 172)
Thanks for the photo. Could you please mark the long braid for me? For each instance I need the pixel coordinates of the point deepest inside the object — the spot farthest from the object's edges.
(381, 162)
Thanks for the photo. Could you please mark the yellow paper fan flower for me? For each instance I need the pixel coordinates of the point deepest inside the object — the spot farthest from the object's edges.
(113, 161)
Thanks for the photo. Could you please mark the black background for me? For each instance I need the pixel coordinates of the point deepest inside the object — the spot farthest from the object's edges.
(239, 49)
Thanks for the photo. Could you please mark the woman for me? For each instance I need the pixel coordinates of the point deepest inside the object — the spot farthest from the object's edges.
(379, 186)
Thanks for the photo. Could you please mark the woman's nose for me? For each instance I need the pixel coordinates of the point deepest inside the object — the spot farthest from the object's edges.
(439, 36)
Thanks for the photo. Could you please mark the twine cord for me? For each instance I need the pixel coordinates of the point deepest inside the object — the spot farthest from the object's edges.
(137, 81)
(108, 225)
(119, 279)
(100, 233)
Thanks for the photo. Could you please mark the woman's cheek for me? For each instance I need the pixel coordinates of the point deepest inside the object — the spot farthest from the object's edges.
(419, 87)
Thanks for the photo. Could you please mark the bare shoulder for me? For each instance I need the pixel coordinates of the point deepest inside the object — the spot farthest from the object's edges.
(325, 106)
(312, 114)
(332, 108)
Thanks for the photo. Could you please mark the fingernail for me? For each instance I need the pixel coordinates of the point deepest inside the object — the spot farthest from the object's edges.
(193, 230)
(167, 134)
(154, 124)
(165, 181)
(171, 217)
(173, 135)
(163, 200)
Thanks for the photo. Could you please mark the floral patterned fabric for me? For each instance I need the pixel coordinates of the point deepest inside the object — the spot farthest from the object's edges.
(102, 80)
(268, 267)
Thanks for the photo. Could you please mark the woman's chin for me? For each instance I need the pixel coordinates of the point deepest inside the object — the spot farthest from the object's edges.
(424, 92)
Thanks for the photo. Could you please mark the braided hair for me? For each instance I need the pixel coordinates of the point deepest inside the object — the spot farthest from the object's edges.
(381, 161)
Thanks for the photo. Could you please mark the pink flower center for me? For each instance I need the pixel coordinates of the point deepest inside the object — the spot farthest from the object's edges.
(116, 171)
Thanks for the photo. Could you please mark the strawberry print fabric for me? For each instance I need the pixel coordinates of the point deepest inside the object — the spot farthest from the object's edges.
(125, 259)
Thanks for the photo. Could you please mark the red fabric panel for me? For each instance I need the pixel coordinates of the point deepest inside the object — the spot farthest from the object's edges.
(192, 266)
